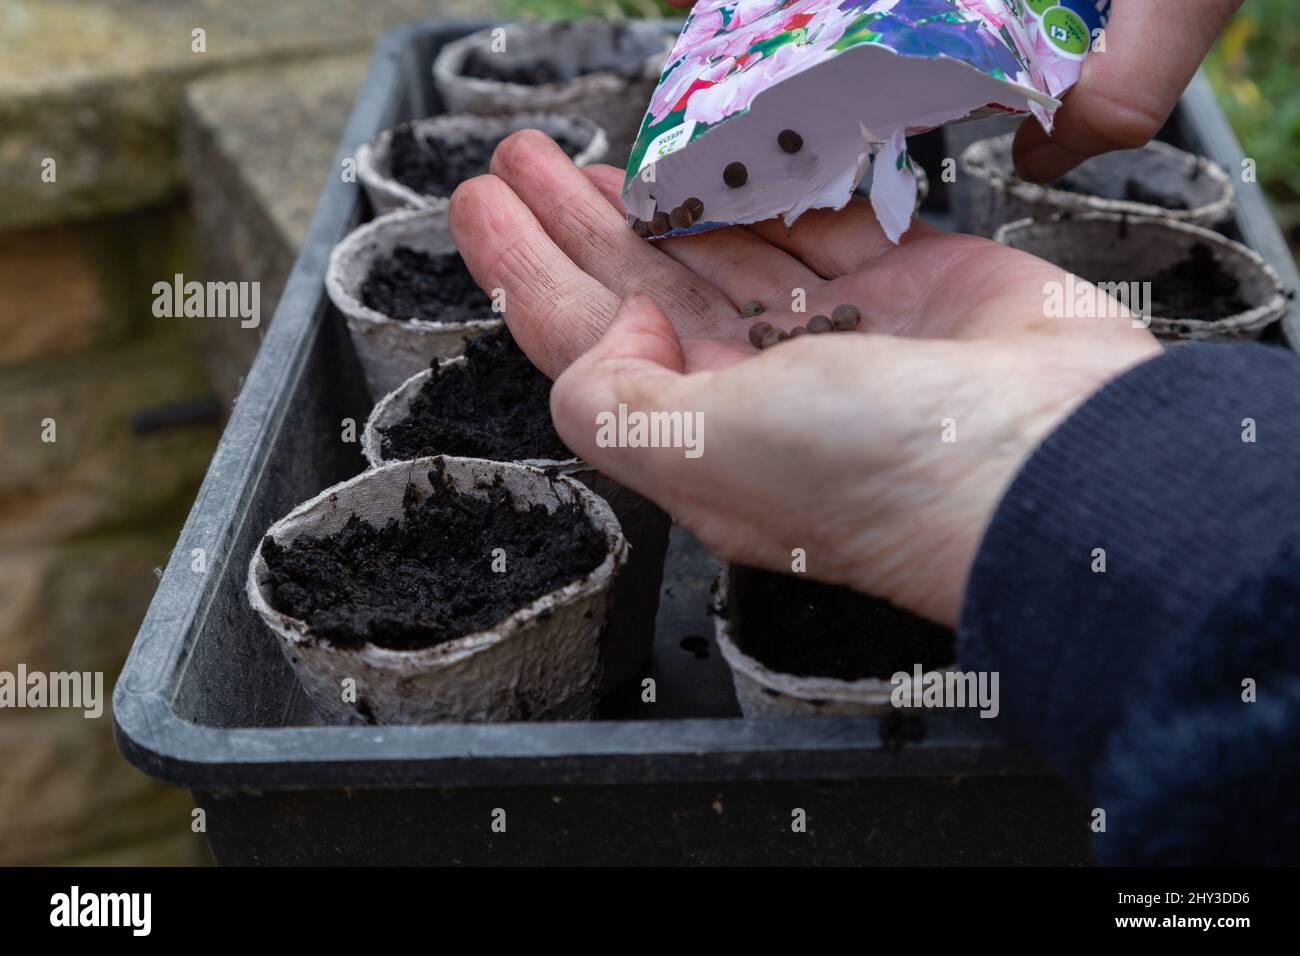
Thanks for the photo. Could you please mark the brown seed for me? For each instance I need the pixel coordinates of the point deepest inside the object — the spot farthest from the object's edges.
(641, 227)
(756, 333)
(735, 175)
(770, 337)
(846, 318)
(789, 140)
(751, 308)
(797, 331)
(819, 324)
(680, 218)
(695, 207)
(660, 224)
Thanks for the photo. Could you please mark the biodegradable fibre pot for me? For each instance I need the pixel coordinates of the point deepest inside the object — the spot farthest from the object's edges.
(392, 349)
(629, 638)
(374, 159)
(1157, 180)
(1122, 250)
(605, 70)
(764, 692)
(542, 662)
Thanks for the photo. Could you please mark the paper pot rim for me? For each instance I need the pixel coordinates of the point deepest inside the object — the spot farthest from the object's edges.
(555, 95)
(393, 407)
(352, 307)
(294, 632)
(1242, 322)
(976, 162)
(384, 190)
(867, 691)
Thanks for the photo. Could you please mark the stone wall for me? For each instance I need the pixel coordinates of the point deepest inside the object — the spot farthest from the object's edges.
(131, 155)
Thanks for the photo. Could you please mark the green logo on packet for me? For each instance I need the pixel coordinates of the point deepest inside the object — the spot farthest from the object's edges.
(1067, 31)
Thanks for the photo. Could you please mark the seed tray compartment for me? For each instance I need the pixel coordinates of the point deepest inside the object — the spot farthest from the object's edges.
(207, 702)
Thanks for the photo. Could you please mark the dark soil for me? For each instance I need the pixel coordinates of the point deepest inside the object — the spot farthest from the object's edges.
(495, 405)
(798, 626)
(435, 167)
(1128, 190)
(621, 57)
(1197, 288)
(427, 579)
(410, 284)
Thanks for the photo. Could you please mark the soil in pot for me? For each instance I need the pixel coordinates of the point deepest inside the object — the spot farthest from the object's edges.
(435, 167)
(427, 579)
(1085, 182)
(481, 64)
(495, 404)
(409, 284)
(802, 627)
(1197, 288)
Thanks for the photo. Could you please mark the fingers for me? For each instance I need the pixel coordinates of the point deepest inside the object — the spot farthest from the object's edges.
(1126, 93)
(554, 309)
(596, 237)
(638, 364)
(734, 260)
(834, 243)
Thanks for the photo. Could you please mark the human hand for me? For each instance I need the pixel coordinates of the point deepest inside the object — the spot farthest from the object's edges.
(1125, 95)
(831, 443)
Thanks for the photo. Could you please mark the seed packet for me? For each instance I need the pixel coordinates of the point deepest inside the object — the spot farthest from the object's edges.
(773, 107)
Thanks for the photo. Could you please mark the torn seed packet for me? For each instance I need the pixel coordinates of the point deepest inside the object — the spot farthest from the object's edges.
(769, 108)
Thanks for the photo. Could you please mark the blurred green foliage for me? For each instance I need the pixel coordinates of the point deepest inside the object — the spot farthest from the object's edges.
(1255, 69)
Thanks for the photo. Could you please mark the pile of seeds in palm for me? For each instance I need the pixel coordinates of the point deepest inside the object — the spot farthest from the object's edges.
(763, 335)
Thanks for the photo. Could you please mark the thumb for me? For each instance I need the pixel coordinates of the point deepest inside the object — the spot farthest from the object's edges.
(638, 362)
(1127, 92)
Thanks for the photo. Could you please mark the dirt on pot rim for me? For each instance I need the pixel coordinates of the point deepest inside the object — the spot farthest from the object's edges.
(386, 192)
(1123, 250)
(540, 662)
(391, 349)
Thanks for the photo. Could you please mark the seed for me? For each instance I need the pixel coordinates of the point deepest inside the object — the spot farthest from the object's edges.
(789, 140)
(797, 331)
(846, 317)
(660, 224)
(770, 337)
(695, 207)
(735, 175)
(756, 333)
(641, 228)
(819, 324)
(680, 218)
(751, 308)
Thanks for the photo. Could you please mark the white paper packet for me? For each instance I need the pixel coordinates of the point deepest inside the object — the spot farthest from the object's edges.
(853, 78)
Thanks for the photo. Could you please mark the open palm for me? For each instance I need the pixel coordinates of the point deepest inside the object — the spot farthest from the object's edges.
(833, 444)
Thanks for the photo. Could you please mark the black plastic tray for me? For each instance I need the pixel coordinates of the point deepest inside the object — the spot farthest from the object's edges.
(206, 701)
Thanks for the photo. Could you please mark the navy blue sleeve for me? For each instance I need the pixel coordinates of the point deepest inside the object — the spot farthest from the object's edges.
(1138, 592)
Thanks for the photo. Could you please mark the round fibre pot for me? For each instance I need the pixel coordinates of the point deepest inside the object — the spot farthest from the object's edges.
(1155, 181)
(541, 662)
(766, 692)
(629, 639)
(605, 70)
(1117, 249)
(393, 348)
(374, 159)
